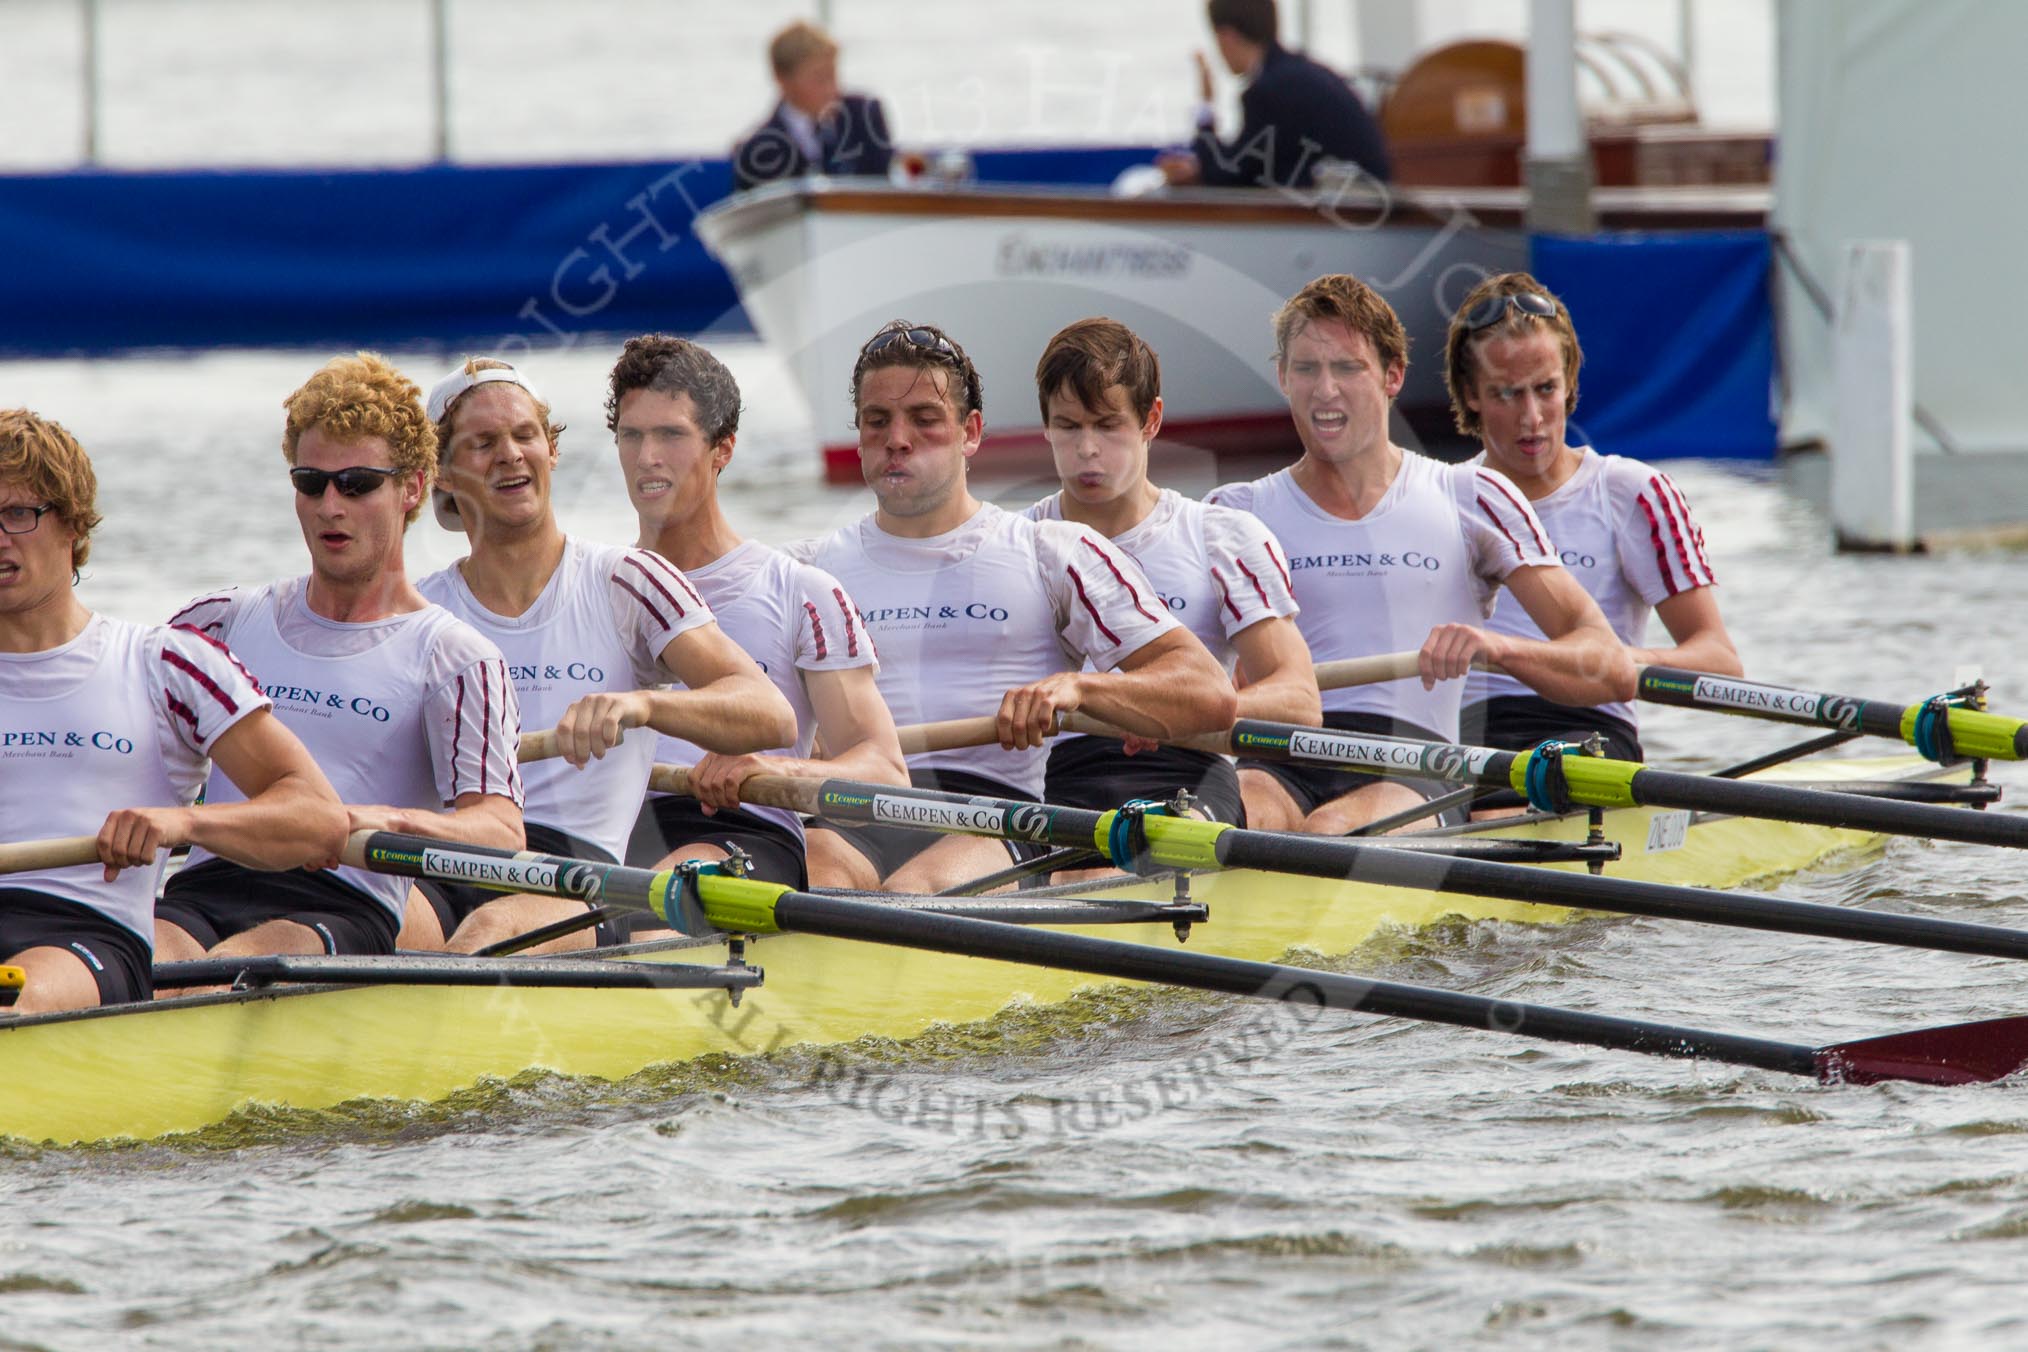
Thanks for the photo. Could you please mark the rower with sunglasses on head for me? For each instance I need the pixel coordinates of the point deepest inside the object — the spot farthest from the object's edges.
(100, 713)
(1219, 571)
(1388, 550)
(973, 608)
(1623, 529)
(591, 634)
(406, 708)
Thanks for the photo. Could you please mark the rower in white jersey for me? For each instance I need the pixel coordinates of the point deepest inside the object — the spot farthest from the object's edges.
(972, 607)
(406, 708)
(1219, 571)
(1622, 528)
(590, 633)
(674, 413)
(1391, 550)
(99, 712)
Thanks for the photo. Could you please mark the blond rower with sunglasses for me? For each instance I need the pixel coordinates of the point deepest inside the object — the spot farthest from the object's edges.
(1622, 528)
(406, 708)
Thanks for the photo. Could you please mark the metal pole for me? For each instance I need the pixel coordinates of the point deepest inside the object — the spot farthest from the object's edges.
(824, 15)
(1686, 46)
(1305, 32)
(1559, 171)
(88, 17)
(440, 68)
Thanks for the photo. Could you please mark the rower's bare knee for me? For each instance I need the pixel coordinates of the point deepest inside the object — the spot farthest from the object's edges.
(421, 930)
(834, 863)
(952, 861)
(174, 944)
(271, 936)
(53, 979)
(1269, 806)
(514, 915)
(1367, 803)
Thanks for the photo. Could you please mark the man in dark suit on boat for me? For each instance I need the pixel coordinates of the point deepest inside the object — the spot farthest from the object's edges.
(814, 129)
(1296, 112)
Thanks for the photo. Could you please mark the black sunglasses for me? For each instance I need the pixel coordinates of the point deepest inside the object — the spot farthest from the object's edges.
(1493, 309)
(927, 338)
(355, 481)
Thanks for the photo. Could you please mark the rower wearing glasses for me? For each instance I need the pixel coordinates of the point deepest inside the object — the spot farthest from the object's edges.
(971, 608)
(408, 709)
(1219, 571)
(100, 712)
(1623, 529)
(674, 413)
(591, 634)
(1389, 550)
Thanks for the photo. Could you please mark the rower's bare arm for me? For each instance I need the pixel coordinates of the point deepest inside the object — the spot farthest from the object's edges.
(490, 819)
(851, 716)
(1702, 643)
(1276, 680)
(291, 816)
(1583, 663)
(1169, 687)
(727, 704)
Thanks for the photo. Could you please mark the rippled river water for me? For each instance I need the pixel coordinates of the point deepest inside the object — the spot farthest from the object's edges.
(1348, 1182)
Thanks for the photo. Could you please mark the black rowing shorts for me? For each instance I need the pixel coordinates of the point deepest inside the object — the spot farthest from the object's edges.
(889, 847)
(454, 901)
(219, 899)
(1522, 722)
(121, 961)
(669, 821)
(1312, 786)
(1097, 774)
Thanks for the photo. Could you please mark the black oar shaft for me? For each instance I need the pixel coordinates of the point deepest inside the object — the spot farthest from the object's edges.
(1325, 857)
(875, 923)
(1820, 807)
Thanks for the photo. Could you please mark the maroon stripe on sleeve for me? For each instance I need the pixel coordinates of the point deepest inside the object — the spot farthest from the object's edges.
(1693, 531)
(176, 620)
(184, 712)
(230, 656)
(851, 629)
(203, 679)
(1092, 545)
(1225, 592)
(643, 600)
(1258, 590)
(1676, 533)
(485, 727)
(1661, 550)
(656, 583)
(1494, 517)
(1280, 567)
(1490, 481)
(1078, 582)
(817, 629)
(675, 574)
(457, 732)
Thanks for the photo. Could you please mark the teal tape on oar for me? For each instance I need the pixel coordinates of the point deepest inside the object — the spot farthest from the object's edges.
(1127, 837)
(1932, 733)
(1544, 783)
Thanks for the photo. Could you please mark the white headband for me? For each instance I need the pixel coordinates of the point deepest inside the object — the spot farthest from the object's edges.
(446, 391)
(442, 395)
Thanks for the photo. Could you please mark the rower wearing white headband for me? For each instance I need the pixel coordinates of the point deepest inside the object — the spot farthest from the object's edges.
(591, 634)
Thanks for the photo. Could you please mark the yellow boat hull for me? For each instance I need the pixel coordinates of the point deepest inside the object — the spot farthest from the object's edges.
(179, 1066)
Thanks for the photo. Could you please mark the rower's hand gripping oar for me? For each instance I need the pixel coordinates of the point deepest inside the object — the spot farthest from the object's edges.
(1959, 1054)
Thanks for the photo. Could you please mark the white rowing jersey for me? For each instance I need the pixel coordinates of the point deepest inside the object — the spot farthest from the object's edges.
(411, 711)
(1001, 601)
(791, 618)
(1434, 550)
(1625, 532)
(123, 715)
(1217, 570)
(601, 624)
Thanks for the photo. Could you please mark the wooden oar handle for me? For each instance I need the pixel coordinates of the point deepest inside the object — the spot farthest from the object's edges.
(57, 852)
(537, 746)
(1351, 671)
(782, 791)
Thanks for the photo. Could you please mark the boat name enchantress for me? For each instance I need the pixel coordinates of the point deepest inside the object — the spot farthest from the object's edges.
(1020, 256)
(480, 869)
(988, 821)
(1741, 695)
